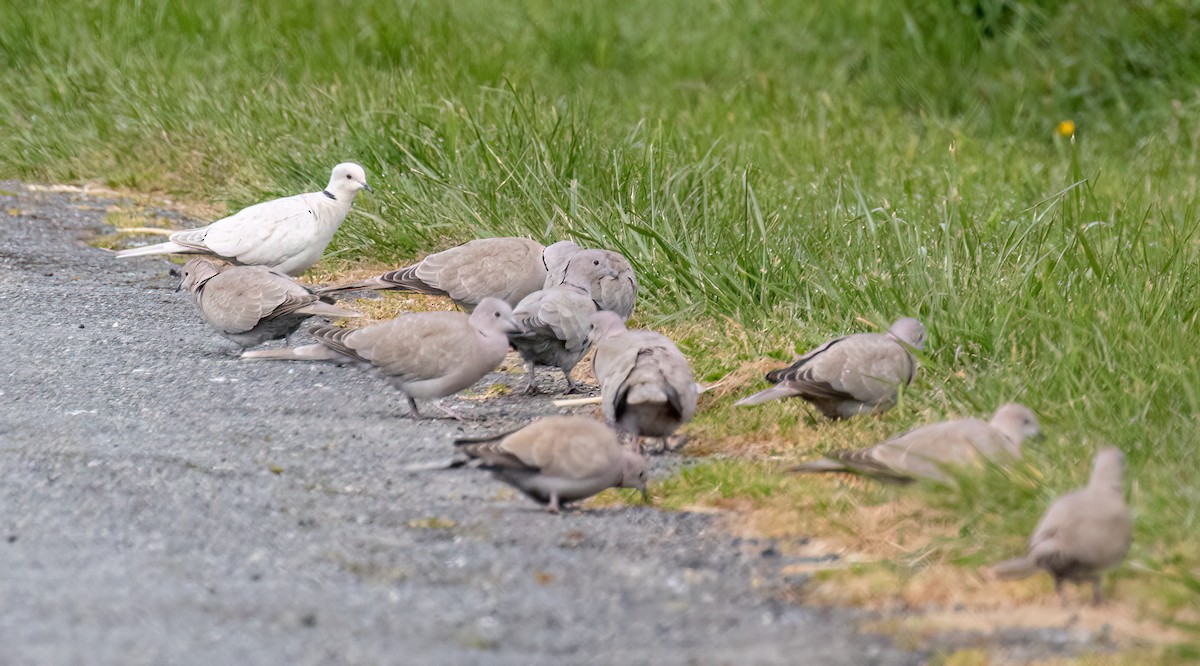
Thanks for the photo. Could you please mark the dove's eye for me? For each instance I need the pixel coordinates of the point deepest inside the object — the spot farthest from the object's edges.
(348, 176)
(596, 262)
(496, 315)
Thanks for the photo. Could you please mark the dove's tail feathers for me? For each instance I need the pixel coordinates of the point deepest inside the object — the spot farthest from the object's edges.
(404, 279)
(642, 393)
(317, 352)
(450, 463)
(320, 309)
(482, 439)
(372, 284)
(767, 395)
(1018, 567)
(157, 248)
(862, 461)
(822, 465)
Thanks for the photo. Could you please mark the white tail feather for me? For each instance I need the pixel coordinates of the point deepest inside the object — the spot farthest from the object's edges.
(317, 352)
(1018, 567)
(450, 463)
(822, 465)
(157, 248)
(773, 393)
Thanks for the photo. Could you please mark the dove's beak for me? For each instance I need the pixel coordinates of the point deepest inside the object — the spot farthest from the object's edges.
(511, 325)
(367, 187)
(645, 495)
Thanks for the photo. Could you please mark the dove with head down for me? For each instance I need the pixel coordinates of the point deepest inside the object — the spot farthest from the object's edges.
(251, 304)
(851, 375)
(423, 354)
(559, 459)
(646, 384)
(554, 324)
(505, 268)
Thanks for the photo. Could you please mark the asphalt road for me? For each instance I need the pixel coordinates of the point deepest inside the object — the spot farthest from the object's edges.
(163, 503)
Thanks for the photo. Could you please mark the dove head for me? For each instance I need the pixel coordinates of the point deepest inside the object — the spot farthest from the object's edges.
(606, 323)
(196, 272)
(633, 471)
(587, 267)
(617, 262)
(557, 254)
(1017, 423)
(494, 315)
(347, 179)
(909, 331)
(1108, 469)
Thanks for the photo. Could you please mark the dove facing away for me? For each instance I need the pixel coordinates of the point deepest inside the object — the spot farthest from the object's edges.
(506, 268)
(851, 375)
(646, 384)
(1083, 533)
(554, 324)
(288, 235)
(423, 354)
(613, 286)
(559, 459)
(252, 304)
(924, 452)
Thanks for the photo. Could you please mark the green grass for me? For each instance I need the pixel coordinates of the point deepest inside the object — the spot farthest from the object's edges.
(788, 167)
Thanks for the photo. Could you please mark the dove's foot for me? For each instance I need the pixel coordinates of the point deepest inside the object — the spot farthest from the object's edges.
(572, 387)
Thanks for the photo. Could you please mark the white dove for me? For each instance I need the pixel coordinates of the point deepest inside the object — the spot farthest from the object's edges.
(288, 235)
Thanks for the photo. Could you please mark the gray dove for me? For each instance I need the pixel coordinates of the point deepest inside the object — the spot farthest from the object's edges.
(286, 234)
(424, 354)
(924, 452)
(1083, 533)
(614, 287)
(252, 304)
(559, 459)
(555, 323)
(852, 375)
(645, 382)
(506, 268)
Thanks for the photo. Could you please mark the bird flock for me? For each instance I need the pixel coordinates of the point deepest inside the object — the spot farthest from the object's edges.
(555, 303)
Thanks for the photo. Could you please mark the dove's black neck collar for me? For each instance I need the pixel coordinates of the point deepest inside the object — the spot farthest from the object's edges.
(329, 194)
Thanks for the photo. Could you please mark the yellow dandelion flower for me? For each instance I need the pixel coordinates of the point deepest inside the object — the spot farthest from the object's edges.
(1066, 128)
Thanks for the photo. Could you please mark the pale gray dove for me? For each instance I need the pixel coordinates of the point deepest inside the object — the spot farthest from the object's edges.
(646, 383)
(424, 354)
(559, 459)
(613, 287)
(554, 323)
(252, 304)
(1083, 533)
(924, 452)
(852, 375)
(288, 235)
(506, 268)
